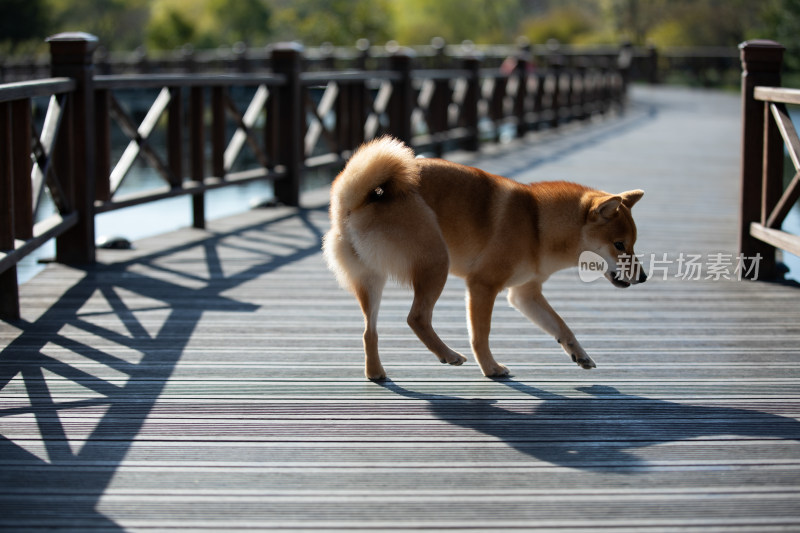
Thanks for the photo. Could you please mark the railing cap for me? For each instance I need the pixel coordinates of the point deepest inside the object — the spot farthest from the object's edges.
(287, 47)
(72, 47)
(72, 36)
(395, 50)
(761, 54)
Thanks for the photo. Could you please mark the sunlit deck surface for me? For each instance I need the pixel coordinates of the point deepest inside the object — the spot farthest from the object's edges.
(213, 379)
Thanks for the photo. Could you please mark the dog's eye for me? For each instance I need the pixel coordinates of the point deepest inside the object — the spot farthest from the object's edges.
(619, 245)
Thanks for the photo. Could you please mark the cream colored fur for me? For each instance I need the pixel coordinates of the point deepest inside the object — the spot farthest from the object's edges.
(414, 220)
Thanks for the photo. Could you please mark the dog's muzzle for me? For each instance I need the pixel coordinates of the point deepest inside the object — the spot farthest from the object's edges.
(621, 283)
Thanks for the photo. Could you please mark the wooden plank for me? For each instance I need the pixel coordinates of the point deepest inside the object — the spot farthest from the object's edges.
(42, 172)
(777, 238)
(787, 200)
(138, 144)
(244, 131)
(783, 95)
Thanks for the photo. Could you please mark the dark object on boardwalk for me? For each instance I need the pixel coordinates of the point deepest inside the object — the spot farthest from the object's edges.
(113, 242)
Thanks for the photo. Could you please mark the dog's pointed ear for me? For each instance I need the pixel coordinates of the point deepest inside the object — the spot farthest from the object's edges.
(629, 198)
(604, 208)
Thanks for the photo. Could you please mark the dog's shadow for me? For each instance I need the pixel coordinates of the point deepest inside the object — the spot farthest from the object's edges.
(602, 431)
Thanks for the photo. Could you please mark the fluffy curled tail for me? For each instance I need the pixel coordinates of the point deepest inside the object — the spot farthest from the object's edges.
(378, 170)
(379, 181)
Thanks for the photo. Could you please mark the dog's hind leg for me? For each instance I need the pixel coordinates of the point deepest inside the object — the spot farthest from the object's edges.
(428, 283)
(368, 292)
(528, 299)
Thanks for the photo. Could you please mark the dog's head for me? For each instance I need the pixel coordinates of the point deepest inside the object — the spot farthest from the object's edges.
(611, 233)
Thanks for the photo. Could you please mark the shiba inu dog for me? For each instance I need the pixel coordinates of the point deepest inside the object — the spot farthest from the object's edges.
(394, 216)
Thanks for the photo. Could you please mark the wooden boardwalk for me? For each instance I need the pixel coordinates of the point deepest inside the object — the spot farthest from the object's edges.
(213, 379)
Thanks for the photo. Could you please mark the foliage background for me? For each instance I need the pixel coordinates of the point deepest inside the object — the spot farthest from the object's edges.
(167, 24)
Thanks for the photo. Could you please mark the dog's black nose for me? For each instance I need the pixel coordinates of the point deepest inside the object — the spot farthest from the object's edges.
(642, 277)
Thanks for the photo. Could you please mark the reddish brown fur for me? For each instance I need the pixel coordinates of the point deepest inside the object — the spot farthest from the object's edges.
(415, 220)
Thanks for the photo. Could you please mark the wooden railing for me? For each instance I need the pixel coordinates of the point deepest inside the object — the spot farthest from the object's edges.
(295, 121)
(24, 177)
(766, 131)
(696, 65)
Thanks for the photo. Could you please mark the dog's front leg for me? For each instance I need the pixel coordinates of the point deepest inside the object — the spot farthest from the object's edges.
(528, 299)
(480, 303)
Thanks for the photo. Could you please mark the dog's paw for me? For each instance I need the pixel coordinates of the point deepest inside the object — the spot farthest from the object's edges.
(495, 371)
(578, 355)
(584, 361)
(455, 359)
(375, 375)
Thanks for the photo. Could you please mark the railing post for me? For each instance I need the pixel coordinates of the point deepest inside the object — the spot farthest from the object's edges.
(624, 64)
(71, 56)
(362, 48)
(652, 65)
(521, 96)
(761, 65)
(218, 139)
(21, 144)
(175, 138)
(197, 153)
(287, 60)
(471, 102)
(402, 103)
(102, 133)
(557, 66)
(350, 115)
(9, 290)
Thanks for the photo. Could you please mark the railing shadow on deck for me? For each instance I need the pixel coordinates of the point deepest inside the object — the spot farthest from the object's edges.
(69, 475)
(598, 433)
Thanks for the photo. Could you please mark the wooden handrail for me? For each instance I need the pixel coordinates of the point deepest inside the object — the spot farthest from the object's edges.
(777, 94)
(26, 90)
(157, 81)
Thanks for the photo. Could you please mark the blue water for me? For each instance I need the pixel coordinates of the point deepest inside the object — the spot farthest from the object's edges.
(792, 225)
(792, 222)
(154, 218)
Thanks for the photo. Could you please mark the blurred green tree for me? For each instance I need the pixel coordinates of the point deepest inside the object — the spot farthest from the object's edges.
(784, 21)
(117, 23)
(208, 23)
(481, 21)
(246, 21)
(568, 24)
(340, 22)
(166, 24)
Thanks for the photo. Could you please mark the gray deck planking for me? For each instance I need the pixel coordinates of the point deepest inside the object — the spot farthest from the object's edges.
(212, 379)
